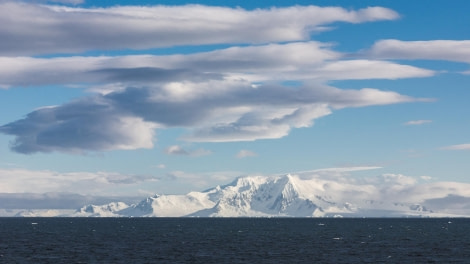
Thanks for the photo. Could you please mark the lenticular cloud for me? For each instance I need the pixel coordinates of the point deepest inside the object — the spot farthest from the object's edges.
(127, 119)
(59, 29)
(239, 93)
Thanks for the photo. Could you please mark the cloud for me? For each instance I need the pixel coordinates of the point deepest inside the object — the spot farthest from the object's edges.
(57, 200)
(369, 69)
(60, 29)
(387, 188)
(231, 94)
(77, 127)
(342, 169)
(178, 150)
(202, 180)
(426, 178)
(450, 50)
(340, 173)
(398, 179)
(215, 111)
(458, 147)
(38, 189)
(260, 124)
(245, 153)
(47, 184)
(452, 203)
(417, 122)
(73, 2)
(84, 183)
(273, 62)
(425, 192)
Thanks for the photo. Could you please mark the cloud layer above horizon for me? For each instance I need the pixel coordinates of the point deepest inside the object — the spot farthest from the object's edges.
(73, 190)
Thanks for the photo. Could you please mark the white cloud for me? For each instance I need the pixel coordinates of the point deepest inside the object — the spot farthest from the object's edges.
(246, 153)
(427, 191)
(340, 174)
(458, 147)
(258, 124)
(220, 111)
(85, 183)
(369, 69)
(385, 188)
(398, 179)
(57, 29)
(57, 200)
(178, 150)
(343, 169)
(23, 186)
(417, 122)
(232, 94)
(204, 179)
(73, 2)
(451, 50)
(273, 62)
(388, 187)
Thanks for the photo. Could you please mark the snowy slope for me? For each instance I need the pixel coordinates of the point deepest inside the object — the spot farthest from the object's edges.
(303, 195)
(273, 196)
(107, 210)
(170, 205)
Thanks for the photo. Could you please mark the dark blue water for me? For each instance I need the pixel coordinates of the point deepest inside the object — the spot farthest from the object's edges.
(233, 240)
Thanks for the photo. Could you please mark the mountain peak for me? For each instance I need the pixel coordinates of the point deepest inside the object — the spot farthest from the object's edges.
(285, 195)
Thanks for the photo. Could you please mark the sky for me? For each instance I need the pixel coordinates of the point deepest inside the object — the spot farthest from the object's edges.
(132, 98)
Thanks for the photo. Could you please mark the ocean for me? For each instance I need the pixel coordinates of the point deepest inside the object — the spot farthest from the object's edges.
(234, 240)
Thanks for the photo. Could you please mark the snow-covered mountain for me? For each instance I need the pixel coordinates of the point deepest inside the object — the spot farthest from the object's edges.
(290, 196)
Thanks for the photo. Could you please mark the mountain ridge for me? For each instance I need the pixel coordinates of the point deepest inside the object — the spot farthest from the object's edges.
(293, 195)
(267, 196)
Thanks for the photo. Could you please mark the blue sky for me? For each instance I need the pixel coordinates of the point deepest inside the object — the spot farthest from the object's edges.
(132, 98)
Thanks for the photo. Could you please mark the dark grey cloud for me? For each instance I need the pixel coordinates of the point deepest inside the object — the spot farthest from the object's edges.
(449, 202)
(88, 124)
(152, 74)
(35, 72)
(139, 102)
